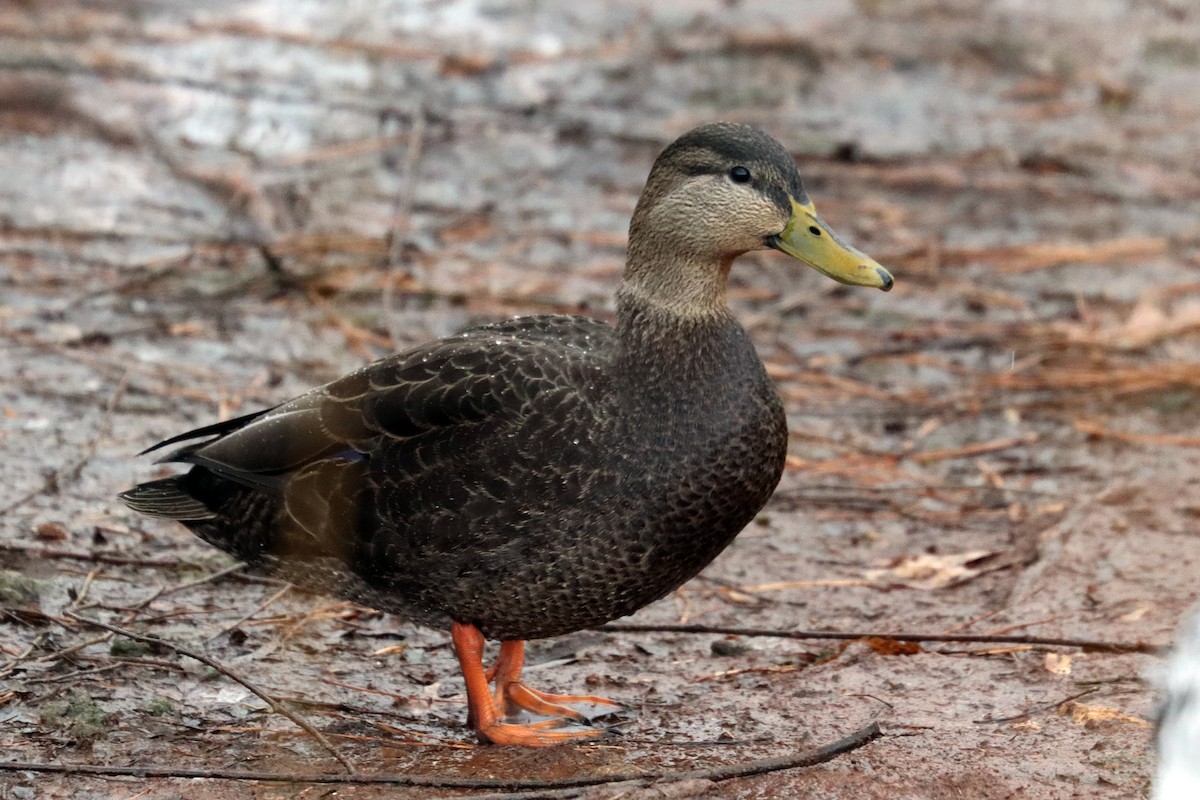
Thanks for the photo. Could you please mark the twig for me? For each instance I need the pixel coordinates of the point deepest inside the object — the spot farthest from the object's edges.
(1093, 428)
(805, 758)
(67, 652)
(149, 663)
(286, 588)
(73, 677)
(83, 591)
(214, 576)
(1089, 645)
(131, 613)
(233, 571)
(16, 660)
(1036, 709)
(99, 558)
(729, 673)
(345, 708)
(975, 449)
(1043, 255)
(808, 758)
(227, 672)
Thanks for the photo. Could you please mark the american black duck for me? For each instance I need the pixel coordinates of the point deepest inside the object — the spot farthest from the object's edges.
(537, 476)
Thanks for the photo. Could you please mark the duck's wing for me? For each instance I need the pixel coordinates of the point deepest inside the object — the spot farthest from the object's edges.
(441, 390)
(391, 463)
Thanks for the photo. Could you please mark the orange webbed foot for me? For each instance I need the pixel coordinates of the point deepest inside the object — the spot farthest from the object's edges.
(510, 697)
(544, 733)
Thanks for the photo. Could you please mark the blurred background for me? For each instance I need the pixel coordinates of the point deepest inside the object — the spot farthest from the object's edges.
(208, 208)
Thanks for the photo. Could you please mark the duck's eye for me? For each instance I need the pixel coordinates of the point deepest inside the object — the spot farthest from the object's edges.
(739, 175)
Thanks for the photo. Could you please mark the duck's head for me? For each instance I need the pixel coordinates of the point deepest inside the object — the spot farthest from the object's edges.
(724, 189)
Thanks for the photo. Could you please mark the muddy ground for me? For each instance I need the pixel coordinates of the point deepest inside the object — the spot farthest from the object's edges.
(203, 212)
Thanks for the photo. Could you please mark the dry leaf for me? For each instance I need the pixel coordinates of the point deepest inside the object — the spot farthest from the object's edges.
(50, 532)
(1098, 715)
(926, 571)
(1148, 323)
(1137, 613)
(1058, 663)
(892, 647)
(1120, 495)
(391, 649)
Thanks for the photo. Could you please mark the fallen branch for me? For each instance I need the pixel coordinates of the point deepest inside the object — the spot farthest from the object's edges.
(808, 758)
(1089, 645)
(745, 769)
(227, 672)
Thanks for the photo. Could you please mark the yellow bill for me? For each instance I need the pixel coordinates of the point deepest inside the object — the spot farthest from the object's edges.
(808, 239)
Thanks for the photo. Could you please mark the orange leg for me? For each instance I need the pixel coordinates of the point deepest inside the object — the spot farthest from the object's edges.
(484, 709)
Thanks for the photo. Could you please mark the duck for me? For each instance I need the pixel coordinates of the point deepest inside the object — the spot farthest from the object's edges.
(541, 475)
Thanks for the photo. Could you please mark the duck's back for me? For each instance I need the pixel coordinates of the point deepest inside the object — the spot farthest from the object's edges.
(530, 477)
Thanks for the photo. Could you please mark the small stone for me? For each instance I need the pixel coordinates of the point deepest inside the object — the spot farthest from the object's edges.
(728, 647)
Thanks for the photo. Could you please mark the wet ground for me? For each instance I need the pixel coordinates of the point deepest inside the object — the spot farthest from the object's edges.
(206, 212)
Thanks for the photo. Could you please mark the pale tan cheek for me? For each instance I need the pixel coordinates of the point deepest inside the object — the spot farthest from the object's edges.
(747, 226)
(727, 220)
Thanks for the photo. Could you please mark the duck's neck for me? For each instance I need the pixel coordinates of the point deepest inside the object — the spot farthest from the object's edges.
(668, 276)
(684, 376)
(673, 325)
(666, 346)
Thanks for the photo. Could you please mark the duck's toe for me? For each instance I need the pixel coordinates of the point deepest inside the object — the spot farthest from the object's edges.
(519, 697)
(543, 733)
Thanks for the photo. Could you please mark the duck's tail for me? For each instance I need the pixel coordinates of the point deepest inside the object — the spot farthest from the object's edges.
(168, 498)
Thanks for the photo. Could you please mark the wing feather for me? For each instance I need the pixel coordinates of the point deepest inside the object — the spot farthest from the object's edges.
(423, 400)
